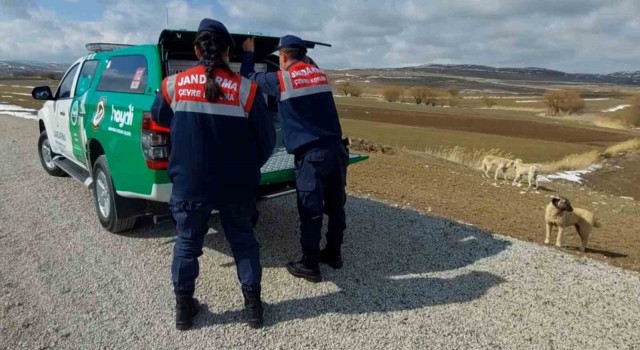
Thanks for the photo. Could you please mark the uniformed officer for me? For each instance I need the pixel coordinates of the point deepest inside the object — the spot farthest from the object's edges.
(313, 134)
(221, 135)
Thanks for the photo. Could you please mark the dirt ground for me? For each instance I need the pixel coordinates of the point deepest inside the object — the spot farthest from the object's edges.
(540, 130)
(619, 176)
(453, 191)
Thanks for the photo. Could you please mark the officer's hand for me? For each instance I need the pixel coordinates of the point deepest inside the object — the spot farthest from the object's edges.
(248, 44)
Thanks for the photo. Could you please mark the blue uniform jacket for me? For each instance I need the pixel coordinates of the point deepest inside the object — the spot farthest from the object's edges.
(305, 102)
(217, 149)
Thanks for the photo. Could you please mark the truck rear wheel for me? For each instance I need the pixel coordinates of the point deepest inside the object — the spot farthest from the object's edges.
(105, 199)
(47, 155)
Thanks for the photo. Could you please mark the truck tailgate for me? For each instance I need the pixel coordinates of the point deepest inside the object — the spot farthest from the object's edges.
(279, 168)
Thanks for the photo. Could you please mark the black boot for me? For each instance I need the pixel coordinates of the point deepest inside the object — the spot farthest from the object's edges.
(253, 308)
(332, 257)
(186, 310)
(307, 268)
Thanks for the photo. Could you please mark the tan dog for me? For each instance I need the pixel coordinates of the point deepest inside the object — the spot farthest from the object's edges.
(501, 164)
(532, 171)
(561, 214)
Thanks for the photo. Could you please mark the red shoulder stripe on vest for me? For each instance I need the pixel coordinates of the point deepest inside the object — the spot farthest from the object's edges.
(252, 96)
(165, 93)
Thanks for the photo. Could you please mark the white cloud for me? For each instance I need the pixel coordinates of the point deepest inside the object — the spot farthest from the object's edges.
(572, 35)
(41, 34)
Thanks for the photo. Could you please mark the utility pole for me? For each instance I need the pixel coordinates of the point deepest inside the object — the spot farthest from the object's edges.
(167, 9)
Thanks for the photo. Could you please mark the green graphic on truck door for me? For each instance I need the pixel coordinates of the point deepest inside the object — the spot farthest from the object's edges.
(78, 110)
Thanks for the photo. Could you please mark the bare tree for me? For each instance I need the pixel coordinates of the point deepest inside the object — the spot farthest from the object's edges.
(564, 101)
(348, 88)
(419, 94)
(489, 101)
(392, 94)
(430, 97)
(630, 116)
(453, 92)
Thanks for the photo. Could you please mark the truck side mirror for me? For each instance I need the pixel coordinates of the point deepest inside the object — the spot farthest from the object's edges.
(42, 93)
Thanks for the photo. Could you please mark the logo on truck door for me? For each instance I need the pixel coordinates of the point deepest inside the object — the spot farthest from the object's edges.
(100, 111)
(73, 114)
(121, 118)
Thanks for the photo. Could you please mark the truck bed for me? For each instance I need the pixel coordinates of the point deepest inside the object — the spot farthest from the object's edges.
(280, 167)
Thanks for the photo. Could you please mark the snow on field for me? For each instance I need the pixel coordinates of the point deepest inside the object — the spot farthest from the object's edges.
(23, 86)
(597, 99)
(616, 108)
(572, 176)
(20, 93)
(18, 111)
(528, 101)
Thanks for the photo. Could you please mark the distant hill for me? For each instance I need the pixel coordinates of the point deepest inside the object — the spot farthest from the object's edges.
(529, 73)
(21, 69)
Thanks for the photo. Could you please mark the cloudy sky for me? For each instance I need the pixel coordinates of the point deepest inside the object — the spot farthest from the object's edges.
(591, 36)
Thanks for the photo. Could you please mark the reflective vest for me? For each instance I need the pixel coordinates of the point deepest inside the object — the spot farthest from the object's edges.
(213, 151)
(308, 111)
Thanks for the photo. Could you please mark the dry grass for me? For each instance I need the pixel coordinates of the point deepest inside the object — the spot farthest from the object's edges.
(473, 157)
(461, 155)
(611, 123)
(623, 147)
(572, 162)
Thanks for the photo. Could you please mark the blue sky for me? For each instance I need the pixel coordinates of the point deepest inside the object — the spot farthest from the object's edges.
(572, 35)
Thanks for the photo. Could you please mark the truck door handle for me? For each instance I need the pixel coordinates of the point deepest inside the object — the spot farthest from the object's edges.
(63, 113)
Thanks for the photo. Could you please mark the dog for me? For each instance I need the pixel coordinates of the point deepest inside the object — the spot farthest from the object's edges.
(561, 214)
(501, 164)
(532, 171)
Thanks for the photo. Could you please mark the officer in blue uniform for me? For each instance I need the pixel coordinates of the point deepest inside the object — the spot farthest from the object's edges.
(221, 135)
(313, 134)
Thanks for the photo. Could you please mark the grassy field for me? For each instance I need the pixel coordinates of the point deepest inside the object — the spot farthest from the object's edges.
(519, 131)
(419, 139)
(18, 92)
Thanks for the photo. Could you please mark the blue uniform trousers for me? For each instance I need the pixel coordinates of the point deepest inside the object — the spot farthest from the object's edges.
(192, 225)
(321, 178)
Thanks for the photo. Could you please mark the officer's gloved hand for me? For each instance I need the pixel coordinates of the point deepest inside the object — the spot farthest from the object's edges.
(249, 44)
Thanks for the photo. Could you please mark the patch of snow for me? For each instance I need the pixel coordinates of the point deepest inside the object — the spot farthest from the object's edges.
(528, 101)
(616, 108)
(571, 176)
(6, 96)
(20, 93)
(23, 86)
(597, 99)
(17, 111)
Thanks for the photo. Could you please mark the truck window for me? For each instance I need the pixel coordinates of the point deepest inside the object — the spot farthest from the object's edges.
(124, 74)
(86, 76)
(64, 90)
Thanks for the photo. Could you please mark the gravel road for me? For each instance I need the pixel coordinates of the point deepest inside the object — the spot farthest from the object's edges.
(410, 280)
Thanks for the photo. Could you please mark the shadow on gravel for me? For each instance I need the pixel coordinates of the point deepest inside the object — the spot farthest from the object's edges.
(607, 253)
(389, 255)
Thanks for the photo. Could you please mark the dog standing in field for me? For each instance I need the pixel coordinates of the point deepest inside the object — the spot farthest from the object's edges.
(561, 214)
(532, 171)
(501, 164)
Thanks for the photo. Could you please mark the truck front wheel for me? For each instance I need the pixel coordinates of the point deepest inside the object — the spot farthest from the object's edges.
(105, 199)
(47, 155)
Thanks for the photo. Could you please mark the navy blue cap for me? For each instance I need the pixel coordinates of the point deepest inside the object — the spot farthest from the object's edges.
(292, 42)
(211, 25)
